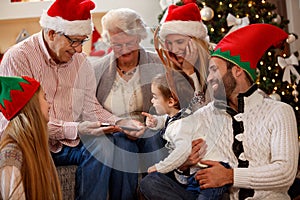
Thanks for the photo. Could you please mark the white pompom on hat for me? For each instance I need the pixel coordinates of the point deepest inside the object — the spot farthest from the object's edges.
(71, 17)
(185, 20)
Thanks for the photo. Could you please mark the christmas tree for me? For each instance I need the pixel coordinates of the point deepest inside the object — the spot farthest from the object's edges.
(222, 17)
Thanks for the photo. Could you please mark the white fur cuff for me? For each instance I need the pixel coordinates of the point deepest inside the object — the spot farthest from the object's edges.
(190, 28)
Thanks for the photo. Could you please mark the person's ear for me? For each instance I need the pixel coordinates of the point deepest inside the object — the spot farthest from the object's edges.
(172, 102)
(237, 71)
(51, 34)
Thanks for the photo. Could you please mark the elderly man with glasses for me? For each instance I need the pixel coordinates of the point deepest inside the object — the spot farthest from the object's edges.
(76, 42)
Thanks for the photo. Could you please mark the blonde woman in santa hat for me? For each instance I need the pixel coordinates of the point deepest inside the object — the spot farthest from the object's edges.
(183, 46)
(256, 135)
(27, 170)
(54, 57)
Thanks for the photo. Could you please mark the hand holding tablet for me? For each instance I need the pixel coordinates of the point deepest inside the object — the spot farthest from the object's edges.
(131, 127)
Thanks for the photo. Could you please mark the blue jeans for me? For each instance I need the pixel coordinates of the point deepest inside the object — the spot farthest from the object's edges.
(209, 193)
(161, 186)
(132, 157)
(164, 186)
(92, 176)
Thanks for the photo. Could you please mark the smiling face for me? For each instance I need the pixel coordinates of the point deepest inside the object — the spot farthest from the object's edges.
(221, 79)
(60, 48)
(176, 44)
(125, 47)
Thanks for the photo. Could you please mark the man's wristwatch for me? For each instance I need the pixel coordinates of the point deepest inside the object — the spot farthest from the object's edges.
(185, 172)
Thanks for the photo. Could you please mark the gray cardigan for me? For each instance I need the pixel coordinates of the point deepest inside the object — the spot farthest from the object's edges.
(105, 71)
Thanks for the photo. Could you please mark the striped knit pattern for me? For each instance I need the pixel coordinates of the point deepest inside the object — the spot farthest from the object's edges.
(11, 155)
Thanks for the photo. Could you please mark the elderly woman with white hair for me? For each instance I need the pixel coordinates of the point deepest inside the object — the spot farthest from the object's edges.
(124, 80)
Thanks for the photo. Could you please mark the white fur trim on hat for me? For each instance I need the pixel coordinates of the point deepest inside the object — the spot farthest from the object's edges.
(76, 27)
(191, 28)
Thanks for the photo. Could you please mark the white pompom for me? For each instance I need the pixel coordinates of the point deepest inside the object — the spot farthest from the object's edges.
(275, 96)
(291, 38)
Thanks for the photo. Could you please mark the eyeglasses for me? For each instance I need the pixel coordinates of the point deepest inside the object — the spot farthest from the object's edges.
(75, 43)
(129, 45)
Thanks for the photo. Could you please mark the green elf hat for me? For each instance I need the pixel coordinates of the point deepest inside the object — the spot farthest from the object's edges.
(245, 46)
(15, 92)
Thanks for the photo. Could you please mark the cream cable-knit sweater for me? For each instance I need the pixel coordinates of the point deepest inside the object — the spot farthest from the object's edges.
(270, 144)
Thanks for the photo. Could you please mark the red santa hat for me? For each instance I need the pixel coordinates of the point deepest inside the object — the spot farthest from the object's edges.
(71, 17)
(245, 46)
(185, 20)
(15, 92)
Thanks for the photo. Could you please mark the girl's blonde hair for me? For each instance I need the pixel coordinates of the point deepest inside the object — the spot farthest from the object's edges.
(28, 130)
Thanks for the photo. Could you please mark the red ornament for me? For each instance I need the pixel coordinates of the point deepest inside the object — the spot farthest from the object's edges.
(95, 36)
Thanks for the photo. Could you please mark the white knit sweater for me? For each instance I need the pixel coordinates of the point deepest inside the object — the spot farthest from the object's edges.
(270, 144)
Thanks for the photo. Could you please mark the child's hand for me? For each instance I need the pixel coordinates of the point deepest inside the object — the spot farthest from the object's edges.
(152, 169)
(151, 120)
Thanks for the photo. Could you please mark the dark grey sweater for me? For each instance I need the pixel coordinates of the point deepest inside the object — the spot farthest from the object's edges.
(105, 71)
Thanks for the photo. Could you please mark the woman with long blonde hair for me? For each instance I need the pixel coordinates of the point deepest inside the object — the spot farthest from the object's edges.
(183, 46)
(26, 167)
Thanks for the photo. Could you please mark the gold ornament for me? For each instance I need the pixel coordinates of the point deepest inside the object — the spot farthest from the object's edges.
(206, 13)
(295, 93)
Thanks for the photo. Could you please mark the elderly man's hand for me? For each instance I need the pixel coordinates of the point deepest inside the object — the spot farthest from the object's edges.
(94, 128)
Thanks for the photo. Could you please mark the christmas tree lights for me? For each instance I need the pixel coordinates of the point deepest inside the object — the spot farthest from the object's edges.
(270, 73)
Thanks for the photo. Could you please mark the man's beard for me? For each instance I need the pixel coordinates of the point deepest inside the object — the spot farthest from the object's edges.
(226, 87)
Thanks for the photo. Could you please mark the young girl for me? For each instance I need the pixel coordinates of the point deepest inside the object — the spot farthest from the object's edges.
(26, 167)
(179, 145)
